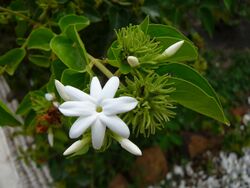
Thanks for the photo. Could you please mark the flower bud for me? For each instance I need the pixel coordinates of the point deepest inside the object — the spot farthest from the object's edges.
(61, 90)
(49, 96)
(133, 61)
(171, 50)
(50, 137)
(246, 119)
(130, 146)
(76, 146)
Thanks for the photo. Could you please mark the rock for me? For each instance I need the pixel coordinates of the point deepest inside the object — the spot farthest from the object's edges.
(198, 143)
(150, 168)
(119, 181)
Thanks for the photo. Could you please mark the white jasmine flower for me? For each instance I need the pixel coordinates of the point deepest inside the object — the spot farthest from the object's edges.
(133, 61)
(171, 50)
(49, 96)
(130, 146)
(97, 110)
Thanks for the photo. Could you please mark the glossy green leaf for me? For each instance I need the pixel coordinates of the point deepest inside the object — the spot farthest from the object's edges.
(187, 73)
(57, 69)
(207, 20)
(74, 36)
(68, 52)
(159, 30)
(144, 24)
(75, 79)
(193, 97)
(40, 60)
(193, 91)
(12, 59)
(79, 21)
(168, 35)
(40, 39)
(6, 116)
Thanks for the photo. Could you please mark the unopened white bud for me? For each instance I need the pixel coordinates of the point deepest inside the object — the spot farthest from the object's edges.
(130, 146)
(49, 96)
(246, 119)
(171, 50)
(61, 90)
(76, 146)
(50, 137)
(133, 61)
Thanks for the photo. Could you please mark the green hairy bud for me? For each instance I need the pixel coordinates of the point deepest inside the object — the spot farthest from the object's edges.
(154, 103)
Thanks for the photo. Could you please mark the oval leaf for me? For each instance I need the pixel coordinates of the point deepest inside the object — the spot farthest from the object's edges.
(193, 97)
(7, 117)
(79, 21)
(68, 52)
(12, 59)
(40, 60)
(187, 73)
(40, 39)
(75, 79)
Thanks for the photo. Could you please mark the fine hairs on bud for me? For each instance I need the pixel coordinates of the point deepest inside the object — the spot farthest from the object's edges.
(171, 50)
(133, 61)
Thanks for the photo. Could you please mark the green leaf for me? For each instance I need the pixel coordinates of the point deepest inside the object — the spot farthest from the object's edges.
(144, 24)
(79, 21)
(57, 69)
(187, 73)
(229, 4)
(193, 91)
(75, 79)
(159, 30)
(207, 20)
(12, 59)
(6, 116)
(187, 52)
(74, 36)
(25, 106)
(68, 52)
(193, 97)
(40, 39)
(40, 60)
(168, 35)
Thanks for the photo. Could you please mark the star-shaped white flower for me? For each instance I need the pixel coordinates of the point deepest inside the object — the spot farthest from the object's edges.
(97, 110)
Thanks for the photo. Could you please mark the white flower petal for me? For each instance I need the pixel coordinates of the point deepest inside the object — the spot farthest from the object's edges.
(110, 88)
(130, 146)
(61, 90)
(77, 108)
(118, 105)
(95, 88)
(116, 125)
(81, 125)
(76, 146)
(98, 133)
(78, 95)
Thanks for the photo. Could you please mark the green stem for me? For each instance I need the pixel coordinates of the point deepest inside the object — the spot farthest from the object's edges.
(18, 14)
(100, 66)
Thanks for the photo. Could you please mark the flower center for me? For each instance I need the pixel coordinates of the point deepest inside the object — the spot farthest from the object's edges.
(98, 109)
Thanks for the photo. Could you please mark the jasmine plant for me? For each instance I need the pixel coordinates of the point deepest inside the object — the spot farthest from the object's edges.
(146, 79)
